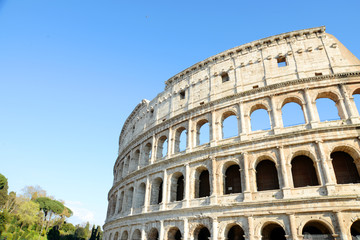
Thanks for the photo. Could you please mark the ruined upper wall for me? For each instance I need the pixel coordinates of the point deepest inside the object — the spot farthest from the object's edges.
(306, 53)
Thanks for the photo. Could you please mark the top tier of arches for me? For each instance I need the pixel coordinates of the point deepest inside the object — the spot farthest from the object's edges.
(248, 68)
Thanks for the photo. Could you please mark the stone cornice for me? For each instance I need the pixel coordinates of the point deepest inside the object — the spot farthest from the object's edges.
(161, 126)
(258, 44)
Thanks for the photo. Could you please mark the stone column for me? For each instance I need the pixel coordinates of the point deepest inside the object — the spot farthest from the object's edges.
(162, 232)
(251, 230)
(342, 109)
(147, 195)
(214, 128)
(349, 107)
(305, 112)
(186, 229)
(190, 136)
(246, 177)
(292, 222)
(187, 184)
(342, 227)
(164, 191)
(134, 194)
(117, 197)
(215, 229)
(284, 173)
(275, 115)
(153, 149)
(143, 233)
(243, 130)
(213, 186)
(170, 147)
(310, 109)
(328, 173)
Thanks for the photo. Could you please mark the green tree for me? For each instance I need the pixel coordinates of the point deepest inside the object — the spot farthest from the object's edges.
(27, 213)
(54, 233)
(93, 233)
(10, 204)
(49, 207)
(4, 218)
(81, 233)
(3, 190)
(33, 192)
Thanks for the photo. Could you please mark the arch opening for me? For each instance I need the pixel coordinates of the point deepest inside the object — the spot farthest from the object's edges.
(136, 235)
(273, 231)
(162, 148)
(177, 187)
(174, 234)
(266, 176)
(204, 184)
(316, 230)
(232, 180)
(153, 234)
(327, 109)
(121, 200)
(236, 233)
(124, 236)
(303, 172)
(260, 120)
(180, 140)
(147, 155)
(355, 230)
(140, 199)
(344, 167)
(203, 234)
(229, 126)
(292, 114)
(156, 191)
(203, 132)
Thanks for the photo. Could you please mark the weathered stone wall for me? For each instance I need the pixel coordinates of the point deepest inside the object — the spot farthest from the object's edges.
(299, 67)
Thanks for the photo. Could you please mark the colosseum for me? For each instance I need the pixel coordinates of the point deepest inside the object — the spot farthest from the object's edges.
(179, 175)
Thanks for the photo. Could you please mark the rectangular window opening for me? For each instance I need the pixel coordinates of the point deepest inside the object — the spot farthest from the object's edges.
(281, 61)
(225, 77)
(318, 74)
(202, 103)
(256, 86)
(182, 95)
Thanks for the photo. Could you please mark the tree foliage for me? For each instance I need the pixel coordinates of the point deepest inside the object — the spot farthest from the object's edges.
(3, 190)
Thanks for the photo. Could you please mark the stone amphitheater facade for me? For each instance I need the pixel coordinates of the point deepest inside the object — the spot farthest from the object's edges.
(295, 182)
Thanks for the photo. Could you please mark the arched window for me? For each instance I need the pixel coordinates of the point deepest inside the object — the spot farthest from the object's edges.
(204, 184)
(356, 96)
(316, 230)
(225, 77)
(156, 191)
(236, 233)
(232, 180)
(129, 198)
(273, 231)
(162, 147)
(344, 168)
(116, 237)
(180, 140)
(260, 120)
(266, 176)
(303, 172)
(121, 169)
(135, 161)
(174, 234)
(121, 200)
(177, 187)
(146, 156)
(140, 199)
(153, 234)
(327, 109)
(126, 166)
(355, 230)
(124, 236)
(292, 114)
(136, 235)
(229, 125)
(202, 234)
(203, 132)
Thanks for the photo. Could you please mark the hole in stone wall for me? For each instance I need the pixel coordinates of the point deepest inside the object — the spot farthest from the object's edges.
(225, 77)
(281, 61)
(182, 95)
(318, 74)
(256, 86)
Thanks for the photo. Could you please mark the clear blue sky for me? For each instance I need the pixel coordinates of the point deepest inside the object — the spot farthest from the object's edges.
(73, 70)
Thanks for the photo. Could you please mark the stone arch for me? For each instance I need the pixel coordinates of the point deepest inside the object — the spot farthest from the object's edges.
(162, 147)
(355, 229)
(156, 191)
(257, 107)
(351, 150)
(121, 202)
(355, 99)
(202, 182)
(116, 236)
(273, 231)
(315, 227)
(177, 187)
(201, 133)
(266, 175)
(174, 233)
(153, 234)
(303, 170)
(345, 168)
(234, 231)
(129, 198)
(229, 124)
(179, 139)
(140, 195)
(135, 161)
(335, 97)
(126, 165)
(136, 235)
(124, 235)
(202, 233)
(146, 156)
(232, 178)
(300, 103)
(110, 236)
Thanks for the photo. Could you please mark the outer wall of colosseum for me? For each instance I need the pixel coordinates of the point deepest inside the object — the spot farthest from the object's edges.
(295, 182)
